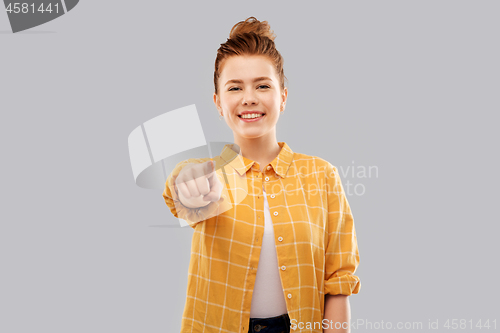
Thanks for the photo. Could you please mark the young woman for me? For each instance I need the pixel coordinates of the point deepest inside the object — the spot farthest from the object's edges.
(274, 248)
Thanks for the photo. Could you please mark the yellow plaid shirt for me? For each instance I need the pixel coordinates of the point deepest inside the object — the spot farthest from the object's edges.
(314, 236)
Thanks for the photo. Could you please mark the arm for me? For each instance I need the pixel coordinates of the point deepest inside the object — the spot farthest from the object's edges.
(337, 310)
(341, 255)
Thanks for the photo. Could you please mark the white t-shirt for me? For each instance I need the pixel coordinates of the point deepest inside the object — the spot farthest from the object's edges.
(268, 299)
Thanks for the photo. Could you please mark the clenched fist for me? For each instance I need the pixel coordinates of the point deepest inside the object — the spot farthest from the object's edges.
(198, 185)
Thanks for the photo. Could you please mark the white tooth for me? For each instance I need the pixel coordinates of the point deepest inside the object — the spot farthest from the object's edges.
(251, 116)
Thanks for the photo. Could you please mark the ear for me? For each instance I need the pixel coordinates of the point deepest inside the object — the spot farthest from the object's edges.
(284, 96)
(217, 102)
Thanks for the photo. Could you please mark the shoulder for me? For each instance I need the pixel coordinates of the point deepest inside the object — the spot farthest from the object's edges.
(217, 160)
(315, 163)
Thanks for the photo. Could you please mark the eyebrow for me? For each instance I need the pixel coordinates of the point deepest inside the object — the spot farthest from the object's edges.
(262, 78)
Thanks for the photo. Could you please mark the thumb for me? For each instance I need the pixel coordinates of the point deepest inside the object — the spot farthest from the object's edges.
(209, 168)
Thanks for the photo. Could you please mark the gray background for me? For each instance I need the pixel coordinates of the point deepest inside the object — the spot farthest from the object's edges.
(410, 87)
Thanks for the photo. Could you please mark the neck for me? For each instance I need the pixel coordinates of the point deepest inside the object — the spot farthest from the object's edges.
(262, 150)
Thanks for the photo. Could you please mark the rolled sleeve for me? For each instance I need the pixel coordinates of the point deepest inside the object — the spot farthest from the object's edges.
(342, 255)
(191, 215)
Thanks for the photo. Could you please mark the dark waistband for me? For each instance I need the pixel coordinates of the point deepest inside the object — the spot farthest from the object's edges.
(281, 319)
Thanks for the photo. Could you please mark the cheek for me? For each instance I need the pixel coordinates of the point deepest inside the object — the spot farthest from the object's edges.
(272, 100)
(229, 101)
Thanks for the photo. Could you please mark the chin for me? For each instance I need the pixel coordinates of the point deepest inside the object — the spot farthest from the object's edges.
(251, 135)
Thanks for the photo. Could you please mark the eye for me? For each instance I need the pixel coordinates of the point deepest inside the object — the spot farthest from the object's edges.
(264, 85)
(233, 88)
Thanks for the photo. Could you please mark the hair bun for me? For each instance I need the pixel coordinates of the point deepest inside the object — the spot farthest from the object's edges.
(251, 24)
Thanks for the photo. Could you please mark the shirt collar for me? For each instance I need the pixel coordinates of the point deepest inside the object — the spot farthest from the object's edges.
(242, 164)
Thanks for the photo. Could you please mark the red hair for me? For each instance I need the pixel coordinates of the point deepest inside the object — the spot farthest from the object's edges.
(250, 37)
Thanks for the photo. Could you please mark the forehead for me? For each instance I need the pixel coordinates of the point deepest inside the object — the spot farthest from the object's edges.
(247, 67)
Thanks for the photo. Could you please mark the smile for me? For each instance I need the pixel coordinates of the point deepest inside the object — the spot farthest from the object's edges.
(251, 118)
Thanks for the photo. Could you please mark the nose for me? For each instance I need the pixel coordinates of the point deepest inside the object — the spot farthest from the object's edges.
(249, 98)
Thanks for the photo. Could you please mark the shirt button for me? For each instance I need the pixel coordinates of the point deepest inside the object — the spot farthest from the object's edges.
(275, 213)
(283, 267)
(268, 167)
(289, 295)
(267, 179)
(280, 238)
(272, 196)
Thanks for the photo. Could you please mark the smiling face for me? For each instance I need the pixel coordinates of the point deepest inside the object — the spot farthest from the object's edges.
(250, 83)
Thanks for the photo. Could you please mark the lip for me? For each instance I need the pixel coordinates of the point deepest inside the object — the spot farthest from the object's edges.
(251, 111)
